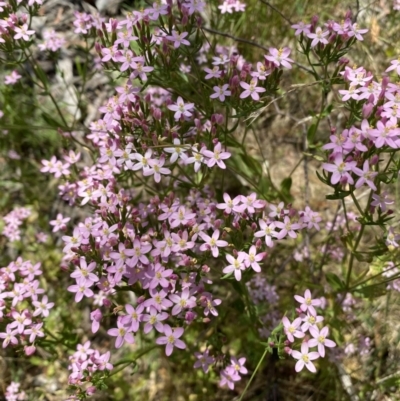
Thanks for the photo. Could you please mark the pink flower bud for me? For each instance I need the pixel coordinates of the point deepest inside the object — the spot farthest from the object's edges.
(205, 269)
(107, 303)
(288, 350)
(374, 160)
(141, 299)
(379, 111)
(384, 84)
(367, 110)
(314, 21)
(348, 15)
(29, 350)
(91, 390)
(234, 82)
(190, 316)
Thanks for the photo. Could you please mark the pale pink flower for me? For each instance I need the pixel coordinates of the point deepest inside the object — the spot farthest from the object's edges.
(221, 92)
(23, 32)
(236, 265)
(171, 339)
(280, 57)
(320, 339)
(304, 358)
(291, 329)
(212, 243)
(251, 89)
(216, 157)
(181, 109)
(307, 303)
(178, 38)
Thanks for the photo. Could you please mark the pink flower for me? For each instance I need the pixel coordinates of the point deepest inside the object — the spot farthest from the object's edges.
(203, 360)
(216, 157)
(251, 90)
(301, 27)
(251, 259)
(304, 358)
(156, 168)
(212, 243)
(340, 170)
(84, 272)
(366, 176)
(267, 230)
(9, 336)
(171, 339)
(154, 319)
(287, 228)
(320, 339)
(13, 78)
(310, 321)
(23, 32)
(291, 328)
(122, 334)
(351, 93)
(181, 109)
(214, 73)
(318, 37)
(381, 200)
(96, 317)
(280, 57)
(236, 265)
(42, 306)
(356, 32)
(238, 365)
(221, 92)
(395, 65)
(182, 301)
(59, 223)
(81, 288)
(178, 38)
(231, 204)
(307, 303)
(34, 331)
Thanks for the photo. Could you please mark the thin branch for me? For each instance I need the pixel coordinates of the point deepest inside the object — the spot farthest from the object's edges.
(251, 43)
(277, 11)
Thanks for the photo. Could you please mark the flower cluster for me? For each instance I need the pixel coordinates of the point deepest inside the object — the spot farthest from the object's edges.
(335, 33)
(13, 392)
(13, 221)
(86, 363)
(231, 373)
(15, 27)
(52, 41)
(22, 304)
(230, 6)
(307, 322)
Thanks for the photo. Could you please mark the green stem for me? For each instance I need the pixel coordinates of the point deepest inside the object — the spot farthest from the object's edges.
(254, 373)
(351, 262)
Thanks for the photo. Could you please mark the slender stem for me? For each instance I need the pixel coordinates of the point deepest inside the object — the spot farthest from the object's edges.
(277, 11)
(357, 204)
(351, 262)
(254, 373)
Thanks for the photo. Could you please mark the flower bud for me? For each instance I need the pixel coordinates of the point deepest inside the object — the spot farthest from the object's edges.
(141, 299)
(91, 390)
(107, 303)
(190, 316)
(288, 350)
(205, 269)
(367, 110)
(29, 350)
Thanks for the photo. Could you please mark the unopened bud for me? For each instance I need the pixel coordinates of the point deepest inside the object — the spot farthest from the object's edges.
(29, 350)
